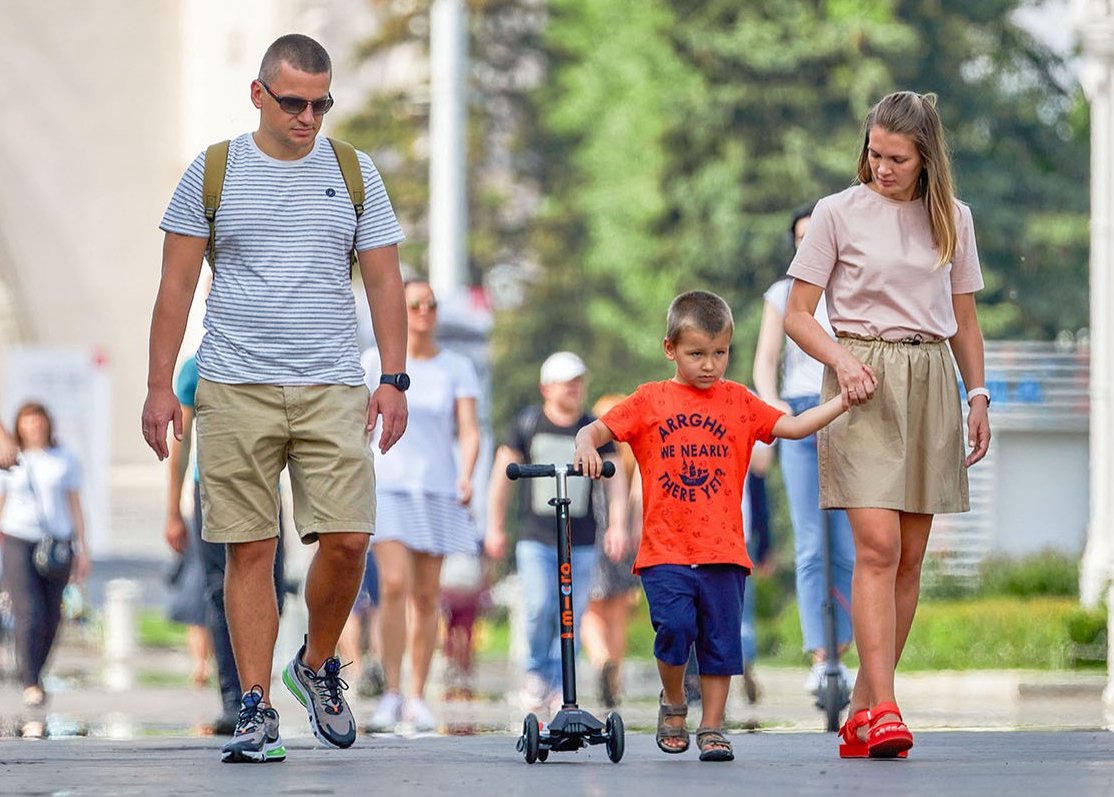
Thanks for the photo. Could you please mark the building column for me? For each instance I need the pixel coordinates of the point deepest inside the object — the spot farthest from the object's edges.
(1094, 19)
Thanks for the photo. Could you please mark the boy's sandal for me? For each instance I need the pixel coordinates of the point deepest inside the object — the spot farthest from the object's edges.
(714, 746)
(665, 731)
(889, 739)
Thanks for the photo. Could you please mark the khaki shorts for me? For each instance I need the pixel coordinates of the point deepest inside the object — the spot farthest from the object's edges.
(904, 449)
(246, 435)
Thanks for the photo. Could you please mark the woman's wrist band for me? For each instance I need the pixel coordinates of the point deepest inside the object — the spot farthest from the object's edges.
(978, 391)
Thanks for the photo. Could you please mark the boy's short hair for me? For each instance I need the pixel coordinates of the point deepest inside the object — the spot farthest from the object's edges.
(700, 310)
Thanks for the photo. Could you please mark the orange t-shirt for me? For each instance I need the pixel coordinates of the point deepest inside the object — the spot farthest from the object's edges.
(693, 449)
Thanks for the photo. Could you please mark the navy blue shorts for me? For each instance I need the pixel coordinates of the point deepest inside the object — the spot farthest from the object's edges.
(369, 590)
(701, 605)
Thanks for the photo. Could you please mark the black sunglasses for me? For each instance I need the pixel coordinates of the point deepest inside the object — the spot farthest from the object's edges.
(295, 105)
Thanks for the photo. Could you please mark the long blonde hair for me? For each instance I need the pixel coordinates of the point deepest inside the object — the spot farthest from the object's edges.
(914, 115)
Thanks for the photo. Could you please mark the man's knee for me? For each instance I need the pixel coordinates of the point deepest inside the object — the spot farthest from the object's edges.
(350, 548)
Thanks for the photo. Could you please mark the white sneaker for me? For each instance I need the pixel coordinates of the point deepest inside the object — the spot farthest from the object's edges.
(534, 697)
(418, 714)
(815, 677)
(387, 714)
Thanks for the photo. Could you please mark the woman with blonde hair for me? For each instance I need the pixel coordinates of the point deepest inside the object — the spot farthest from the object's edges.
(422, 506)
(895, 257)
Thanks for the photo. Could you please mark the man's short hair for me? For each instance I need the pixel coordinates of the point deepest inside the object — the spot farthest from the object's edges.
(301, 52)
(700, 310)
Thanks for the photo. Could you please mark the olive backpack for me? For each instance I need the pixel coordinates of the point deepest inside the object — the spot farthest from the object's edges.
(216, 163)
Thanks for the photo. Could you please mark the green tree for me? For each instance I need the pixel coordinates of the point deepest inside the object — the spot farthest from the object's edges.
(623, 150)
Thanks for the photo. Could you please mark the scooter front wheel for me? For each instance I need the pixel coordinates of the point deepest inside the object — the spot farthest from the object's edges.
(531, 739)
(616, 743)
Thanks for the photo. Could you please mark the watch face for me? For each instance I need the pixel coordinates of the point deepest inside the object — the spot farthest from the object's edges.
(400, 381)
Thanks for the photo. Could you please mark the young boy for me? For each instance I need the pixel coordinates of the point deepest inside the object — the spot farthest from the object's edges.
(692, 436)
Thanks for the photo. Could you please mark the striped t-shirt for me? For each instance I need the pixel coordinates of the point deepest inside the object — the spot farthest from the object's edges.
(281, 307)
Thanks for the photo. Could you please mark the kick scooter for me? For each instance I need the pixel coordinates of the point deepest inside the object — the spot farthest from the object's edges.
(572, 727)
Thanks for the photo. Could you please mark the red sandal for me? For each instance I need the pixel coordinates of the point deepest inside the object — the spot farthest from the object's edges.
(850, 745)
(890, 739)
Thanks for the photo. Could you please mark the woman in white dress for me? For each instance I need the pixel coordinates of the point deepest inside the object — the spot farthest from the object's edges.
(422, 500)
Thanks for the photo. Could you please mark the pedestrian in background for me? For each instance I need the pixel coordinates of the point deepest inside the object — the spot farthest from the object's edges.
(280, 379)
(895, 258)
(423, 499)
(615, 587)
(184, 536)
(39, 499)
(797, 390)
(546, 434)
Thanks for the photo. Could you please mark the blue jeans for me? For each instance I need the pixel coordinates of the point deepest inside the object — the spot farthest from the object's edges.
(537, 571)
(802, 487)
(748, 631)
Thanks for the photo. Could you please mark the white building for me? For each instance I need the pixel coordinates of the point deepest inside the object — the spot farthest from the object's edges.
(111, 100)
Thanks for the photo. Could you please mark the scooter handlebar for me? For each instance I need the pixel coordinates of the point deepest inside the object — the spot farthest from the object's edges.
(516, 471)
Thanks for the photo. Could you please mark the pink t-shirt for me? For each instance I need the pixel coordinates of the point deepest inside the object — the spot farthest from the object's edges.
(875, 259)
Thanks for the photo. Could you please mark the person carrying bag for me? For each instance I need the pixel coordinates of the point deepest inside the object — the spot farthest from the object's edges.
(43, 536)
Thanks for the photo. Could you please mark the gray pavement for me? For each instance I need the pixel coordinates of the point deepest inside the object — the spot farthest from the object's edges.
(977, 733)
(770, 764)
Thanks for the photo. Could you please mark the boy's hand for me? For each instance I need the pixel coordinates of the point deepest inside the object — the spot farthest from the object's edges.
(589, 460)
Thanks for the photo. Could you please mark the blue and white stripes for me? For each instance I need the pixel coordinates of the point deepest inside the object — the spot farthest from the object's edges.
(281, 308)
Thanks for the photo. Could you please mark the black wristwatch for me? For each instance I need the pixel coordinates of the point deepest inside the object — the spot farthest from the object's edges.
(401, 381)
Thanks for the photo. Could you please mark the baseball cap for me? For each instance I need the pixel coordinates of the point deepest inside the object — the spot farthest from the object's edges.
(562, 367)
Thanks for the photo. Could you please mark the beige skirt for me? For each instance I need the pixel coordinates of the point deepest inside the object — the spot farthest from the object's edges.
(904, 449)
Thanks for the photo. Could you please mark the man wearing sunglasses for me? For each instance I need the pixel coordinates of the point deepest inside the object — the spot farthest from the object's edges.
(280, 379)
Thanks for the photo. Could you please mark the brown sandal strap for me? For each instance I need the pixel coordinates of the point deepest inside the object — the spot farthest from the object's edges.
(706, 736)
(671, 710)
(671, 732)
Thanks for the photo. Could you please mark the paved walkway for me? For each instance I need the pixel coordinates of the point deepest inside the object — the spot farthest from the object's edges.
(957, 764)
(161, 701)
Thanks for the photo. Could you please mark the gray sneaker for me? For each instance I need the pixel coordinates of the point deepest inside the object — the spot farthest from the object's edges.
(256, 738)
(320, 692)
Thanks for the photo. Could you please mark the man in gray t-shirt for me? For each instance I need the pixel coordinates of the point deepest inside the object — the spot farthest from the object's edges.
(280, 379)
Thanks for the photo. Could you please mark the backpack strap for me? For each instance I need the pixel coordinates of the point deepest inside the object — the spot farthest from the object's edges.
(216, 163)
(353, 180)
(212, 185)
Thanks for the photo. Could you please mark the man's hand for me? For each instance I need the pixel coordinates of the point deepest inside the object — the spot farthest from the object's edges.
(615, 543)
(389, 402)
(160, 409)
(176, 534)
(495, 544)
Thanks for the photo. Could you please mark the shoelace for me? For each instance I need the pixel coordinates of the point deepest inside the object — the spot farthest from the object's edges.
(252, 713)
(330, 684)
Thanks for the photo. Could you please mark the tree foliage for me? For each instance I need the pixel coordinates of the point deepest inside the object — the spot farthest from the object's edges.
(624, 150)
